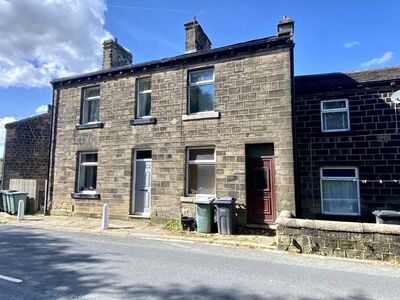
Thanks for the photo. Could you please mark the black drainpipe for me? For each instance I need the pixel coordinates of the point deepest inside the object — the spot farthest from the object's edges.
(294, 138)
(50, 174)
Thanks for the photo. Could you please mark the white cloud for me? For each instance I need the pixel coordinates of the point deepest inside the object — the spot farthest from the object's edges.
(351, 44)
(386, 57)
(45, 39)
(42, 109)
(3, 122)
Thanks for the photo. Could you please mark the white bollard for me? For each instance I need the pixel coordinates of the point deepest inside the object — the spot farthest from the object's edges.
(21, 210)
(104, 221)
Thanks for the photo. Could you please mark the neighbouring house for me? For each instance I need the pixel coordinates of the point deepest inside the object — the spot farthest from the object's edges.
(149, 138)
(348, 143)
(26, 157)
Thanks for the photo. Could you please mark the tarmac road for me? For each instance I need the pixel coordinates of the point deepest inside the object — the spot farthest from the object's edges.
(48, 264)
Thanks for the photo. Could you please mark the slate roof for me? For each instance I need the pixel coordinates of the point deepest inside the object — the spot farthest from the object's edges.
(263, 44)
(347, 80)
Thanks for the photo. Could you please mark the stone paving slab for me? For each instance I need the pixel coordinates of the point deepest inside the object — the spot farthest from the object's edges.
(142, 228)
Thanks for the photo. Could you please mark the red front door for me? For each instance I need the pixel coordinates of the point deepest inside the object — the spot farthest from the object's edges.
(261, 190)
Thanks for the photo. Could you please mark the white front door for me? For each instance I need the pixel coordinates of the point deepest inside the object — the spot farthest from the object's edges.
(142, 197)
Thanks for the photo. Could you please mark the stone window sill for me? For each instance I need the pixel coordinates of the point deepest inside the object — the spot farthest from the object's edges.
(187, 199)
(337, 133)
(94, 196)
(89, 125)
(201, 116)
(143, 121)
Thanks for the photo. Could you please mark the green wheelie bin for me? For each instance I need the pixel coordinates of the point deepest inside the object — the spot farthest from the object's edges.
(3, 200)
(13, 198)
(8, 203)
(204, 214)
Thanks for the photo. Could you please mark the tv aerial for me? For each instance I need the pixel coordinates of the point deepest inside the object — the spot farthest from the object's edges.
(395, 97)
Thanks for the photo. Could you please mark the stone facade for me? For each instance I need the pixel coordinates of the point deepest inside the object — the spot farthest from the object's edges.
(253, 105)
(371, 145)
(27, 145)
(339, 239)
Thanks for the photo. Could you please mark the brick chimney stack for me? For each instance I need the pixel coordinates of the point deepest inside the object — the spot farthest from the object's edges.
(286, 27)
(114, 55)
(196, 39)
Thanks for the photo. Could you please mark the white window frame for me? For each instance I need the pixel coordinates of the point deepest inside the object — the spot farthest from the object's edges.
(200, 83)
(137, 97)
(86, 164)
(199, 162)
(85, 117)
(336, 178)
(326, 111)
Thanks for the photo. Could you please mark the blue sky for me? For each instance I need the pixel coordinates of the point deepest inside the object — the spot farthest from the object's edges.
(49, 41)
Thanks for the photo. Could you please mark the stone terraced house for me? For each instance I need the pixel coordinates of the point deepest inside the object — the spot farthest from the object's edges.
(149, 138)
(348, 143)
(26, 157)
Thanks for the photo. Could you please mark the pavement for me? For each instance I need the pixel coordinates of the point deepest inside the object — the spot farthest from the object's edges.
(142, 228)
(52, 264)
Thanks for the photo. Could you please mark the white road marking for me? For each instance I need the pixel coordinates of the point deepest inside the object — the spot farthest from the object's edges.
(16, 280)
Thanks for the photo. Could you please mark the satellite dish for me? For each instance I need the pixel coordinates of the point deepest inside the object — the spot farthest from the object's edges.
(395, 97)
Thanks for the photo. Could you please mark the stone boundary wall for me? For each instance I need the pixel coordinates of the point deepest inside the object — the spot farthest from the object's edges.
(339, 239)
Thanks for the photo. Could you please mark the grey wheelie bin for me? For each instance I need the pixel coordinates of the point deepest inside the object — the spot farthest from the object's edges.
(13, 200)
(204, 214)
(226, 215)
(387, 217)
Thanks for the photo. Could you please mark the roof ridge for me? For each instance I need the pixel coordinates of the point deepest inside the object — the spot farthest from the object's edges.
(200, 53)
(352, 72)
(27, 119)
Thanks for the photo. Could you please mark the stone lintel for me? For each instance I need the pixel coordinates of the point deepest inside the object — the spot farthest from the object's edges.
(143, 121)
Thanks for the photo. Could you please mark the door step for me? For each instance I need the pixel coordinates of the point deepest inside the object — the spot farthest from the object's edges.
(261, 226)
(139, 216)
(258, 229)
